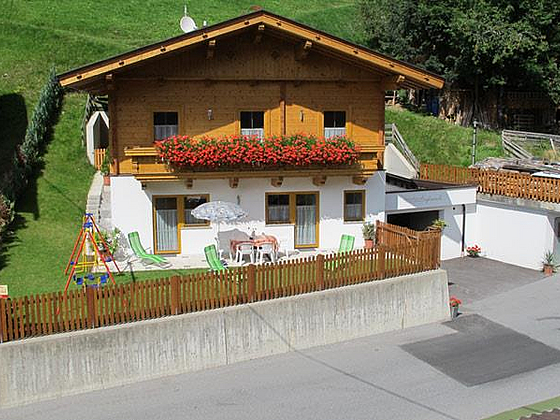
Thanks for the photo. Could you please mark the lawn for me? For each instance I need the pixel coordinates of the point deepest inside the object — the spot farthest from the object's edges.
(435, 141)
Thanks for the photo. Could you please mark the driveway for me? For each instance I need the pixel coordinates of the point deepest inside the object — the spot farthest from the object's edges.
(504, 352)
(473, 279)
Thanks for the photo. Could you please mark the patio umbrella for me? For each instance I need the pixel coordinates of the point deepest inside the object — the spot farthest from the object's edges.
(219, 211)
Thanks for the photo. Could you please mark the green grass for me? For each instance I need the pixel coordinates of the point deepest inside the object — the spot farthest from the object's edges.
(528, 410)
(435, 141)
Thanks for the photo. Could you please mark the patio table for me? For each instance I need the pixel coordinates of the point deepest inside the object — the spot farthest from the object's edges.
(256, 242)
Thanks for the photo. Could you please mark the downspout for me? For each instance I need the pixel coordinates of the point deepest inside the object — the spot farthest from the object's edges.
(463, 232)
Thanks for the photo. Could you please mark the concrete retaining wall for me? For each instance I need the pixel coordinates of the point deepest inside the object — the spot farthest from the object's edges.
(64, 364)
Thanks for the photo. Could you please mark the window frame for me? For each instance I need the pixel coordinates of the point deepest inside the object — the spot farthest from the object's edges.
(363, 211)
(205, 223)
(346, 124)
(292, 220)
(180, 200)
(165, 111)
(264, 115)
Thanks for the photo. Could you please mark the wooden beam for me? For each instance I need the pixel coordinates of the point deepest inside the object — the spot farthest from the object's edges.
(283, 108)
(393, 82)
(277, 181)
(259, 34)
(233, 182)
(302, 51)
(320, 180)
(189, 183)
(359, 180)
(211, 48)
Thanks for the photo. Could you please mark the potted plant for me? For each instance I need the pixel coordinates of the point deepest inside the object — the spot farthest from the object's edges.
(549, 263)
(105, 168)
(112, 239)
(438, 224)
(368, 232)
(473, 251)
(454, 303)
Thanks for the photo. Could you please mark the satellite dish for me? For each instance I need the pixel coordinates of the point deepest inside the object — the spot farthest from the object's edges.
(187, 23)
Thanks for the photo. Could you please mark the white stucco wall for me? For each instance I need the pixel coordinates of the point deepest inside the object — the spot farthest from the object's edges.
(132, 208)
(449, 203)
(514, 234)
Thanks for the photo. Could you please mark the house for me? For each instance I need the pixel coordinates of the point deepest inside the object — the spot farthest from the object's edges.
(259, 75)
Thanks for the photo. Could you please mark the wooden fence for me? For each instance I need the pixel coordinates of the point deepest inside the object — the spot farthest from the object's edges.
(50, 313)
(98, 157)
(510, 184)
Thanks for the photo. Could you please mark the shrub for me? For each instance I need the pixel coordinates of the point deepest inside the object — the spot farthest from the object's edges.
(6, 214)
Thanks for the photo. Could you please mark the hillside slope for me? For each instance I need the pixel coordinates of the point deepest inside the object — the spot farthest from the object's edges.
(435, 141)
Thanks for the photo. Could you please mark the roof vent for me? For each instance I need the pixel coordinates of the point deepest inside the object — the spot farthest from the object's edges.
(187, 22)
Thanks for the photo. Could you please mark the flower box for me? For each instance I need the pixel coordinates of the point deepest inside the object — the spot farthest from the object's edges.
(241, 152)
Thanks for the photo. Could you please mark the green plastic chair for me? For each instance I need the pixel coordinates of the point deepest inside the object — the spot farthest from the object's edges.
(212, 258)
(140, 252)
(346, 244)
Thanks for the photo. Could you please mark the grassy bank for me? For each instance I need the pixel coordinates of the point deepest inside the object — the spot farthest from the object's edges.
(435, 141)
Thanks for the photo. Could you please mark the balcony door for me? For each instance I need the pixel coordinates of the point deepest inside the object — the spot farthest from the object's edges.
(166, 225)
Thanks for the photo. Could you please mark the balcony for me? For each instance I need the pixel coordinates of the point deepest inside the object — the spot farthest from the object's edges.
(146, 165)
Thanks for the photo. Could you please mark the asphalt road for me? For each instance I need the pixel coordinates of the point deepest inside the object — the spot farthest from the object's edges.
(437, 371)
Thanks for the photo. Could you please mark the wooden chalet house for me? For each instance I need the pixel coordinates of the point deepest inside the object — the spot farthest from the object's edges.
(259, 75)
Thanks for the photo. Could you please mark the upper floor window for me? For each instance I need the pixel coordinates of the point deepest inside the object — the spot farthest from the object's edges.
(166, 124)
(252, 123)
(334, 123)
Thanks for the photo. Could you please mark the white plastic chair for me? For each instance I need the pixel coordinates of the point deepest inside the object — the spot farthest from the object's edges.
(242, 250)
(266, 248)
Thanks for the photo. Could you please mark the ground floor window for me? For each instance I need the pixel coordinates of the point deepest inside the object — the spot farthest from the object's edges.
(354, 206)
(170, 213)
(299, 209)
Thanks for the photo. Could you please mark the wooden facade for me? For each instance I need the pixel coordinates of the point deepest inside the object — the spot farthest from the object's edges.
(260, 62)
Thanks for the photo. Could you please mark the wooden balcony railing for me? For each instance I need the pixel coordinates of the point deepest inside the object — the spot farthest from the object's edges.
(509, 184)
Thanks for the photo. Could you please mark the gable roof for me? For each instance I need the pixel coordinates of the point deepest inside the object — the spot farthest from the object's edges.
(399, 72)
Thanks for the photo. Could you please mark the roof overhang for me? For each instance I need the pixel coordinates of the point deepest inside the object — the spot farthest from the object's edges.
(397, 73)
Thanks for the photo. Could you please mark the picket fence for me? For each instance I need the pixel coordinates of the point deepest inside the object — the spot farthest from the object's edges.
(398, 251)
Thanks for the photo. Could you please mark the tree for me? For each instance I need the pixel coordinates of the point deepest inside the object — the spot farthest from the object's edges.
(477, 44)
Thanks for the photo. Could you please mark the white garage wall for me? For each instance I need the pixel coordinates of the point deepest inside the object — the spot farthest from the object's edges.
(132, 208)
(514, 236)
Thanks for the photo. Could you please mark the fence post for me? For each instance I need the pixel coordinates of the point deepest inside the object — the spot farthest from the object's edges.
(381, 260)
(91, 307)
(174, 295)
(251, 282)
(3, 331)
(320, 271)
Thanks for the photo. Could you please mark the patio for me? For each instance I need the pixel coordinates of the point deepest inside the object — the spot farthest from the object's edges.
(179, 262)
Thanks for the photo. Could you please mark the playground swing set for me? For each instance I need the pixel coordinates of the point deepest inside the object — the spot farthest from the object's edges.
(88, 265)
